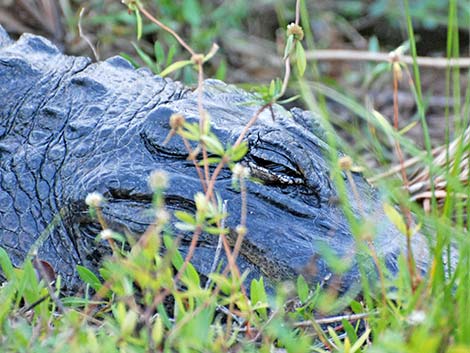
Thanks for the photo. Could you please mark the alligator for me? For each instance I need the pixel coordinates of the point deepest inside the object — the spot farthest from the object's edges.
(70, 127)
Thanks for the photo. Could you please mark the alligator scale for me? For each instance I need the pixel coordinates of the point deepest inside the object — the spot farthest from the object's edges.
(69, 127)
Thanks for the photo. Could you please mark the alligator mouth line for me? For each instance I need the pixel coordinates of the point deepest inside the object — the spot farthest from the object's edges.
(130, 213)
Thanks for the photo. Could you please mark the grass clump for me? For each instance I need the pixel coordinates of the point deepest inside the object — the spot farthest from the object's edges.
(149, 297)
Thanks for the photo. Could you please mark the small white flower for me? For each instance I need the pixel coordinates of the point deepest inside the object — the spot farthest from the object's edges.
(106, 234)
(241, 230)
(202, 204)
(416, 317)
(240, 171)
(158, 180)
(94, 199)
(162, 216)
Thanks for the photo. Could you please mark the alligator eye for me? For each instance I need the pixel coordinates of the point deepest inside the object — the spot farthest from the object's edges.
(278, 168)
(273, 173)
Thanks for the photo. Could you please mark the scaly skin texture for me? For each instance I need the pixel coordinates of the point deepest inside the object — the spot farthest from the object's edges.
(69, 127)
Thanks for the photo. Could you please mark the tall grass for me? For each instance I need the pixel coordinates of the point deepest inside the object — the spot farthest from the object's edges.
(150, 298)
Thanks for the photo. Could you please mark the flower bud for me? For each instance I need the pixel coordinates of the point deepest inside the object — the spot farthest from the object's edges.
(345, 163)
(176, 121)
(296, 31)
(202, 205)
(106, 234)
(158, 180)
(240, 171)
(94, 199)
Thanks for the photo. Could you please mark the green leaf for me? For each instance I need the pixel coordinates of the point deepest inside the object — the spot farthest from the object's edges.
(289, 100)
(237, 153)
(6, 264)
(171, 54)
(29, 283)
(215, 230)
(89, 277)
(206, 123)
(175, 66)
(272, 88)
(258, 294)
(222, 282)
(157, 330)
(288, 48)
(177, 260)
(334, 336)
(139, 24)
(356, 307)
(213, 144)
(350, 331)
(185, 217)
(302, 289)
(192, 276)
(300, 58)
(221, 70)
(395, 218)
(105, 273)
(383, 122)
(130, 59)
(145, 58)
(159, 52)
(373, 44)
(210, 160)
(164, 315)
(360, 342)
(191, 12)
(211, 53)
(191, 132)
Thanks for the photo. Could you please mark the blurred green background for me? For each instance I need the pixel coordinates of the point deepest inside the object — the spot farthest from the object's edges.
(251, 37)
(232, 24)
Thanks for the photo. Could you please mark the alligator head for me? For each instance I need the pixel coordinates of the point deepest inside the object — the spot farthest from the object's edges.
(69, 127)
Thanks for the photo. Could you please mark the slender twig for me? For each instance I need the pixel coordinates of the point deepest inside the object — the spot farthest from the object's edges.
(408, 163)
(333, 319)
(361, 55)
(84, 37)
(268, 56)
(395, 59)
(167, 29)
(219, 247)
(241, 231)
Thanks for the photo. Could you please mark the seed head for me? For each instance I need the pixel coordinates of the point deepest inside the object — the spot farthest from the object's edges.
(158, 180)
(296, 31)
(241, 230)
(240, 172)
(177, 121)
(94, 199)
(197, 59)
(345, 163)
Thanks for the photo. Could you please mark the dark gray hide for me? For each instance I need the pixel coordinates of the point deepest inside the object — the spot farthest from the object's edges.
(70, 127)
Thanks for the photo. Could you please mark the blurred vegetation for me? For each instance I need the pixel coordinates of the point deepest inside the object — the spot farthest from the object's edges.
(141, 309)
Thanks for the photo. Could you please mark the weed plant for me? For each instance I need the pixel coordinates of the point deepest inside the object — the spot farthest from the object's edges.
(149, 298)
